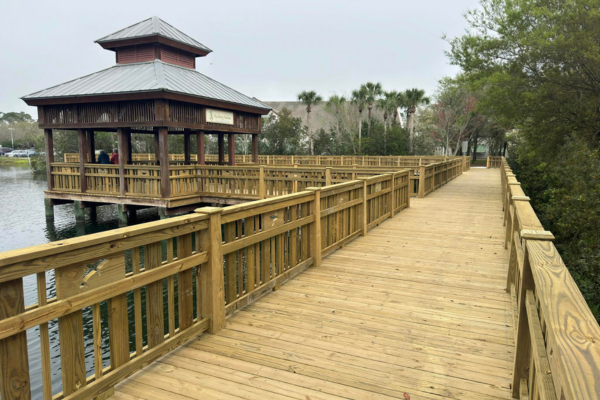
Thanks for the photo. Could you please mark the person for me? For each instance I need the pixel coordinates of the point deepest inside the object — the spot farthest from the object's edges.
(114, 158)
(103, 158)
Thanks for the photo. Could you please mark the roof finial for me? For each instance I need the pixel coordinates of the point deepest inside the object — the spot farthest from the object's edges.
(155, 24)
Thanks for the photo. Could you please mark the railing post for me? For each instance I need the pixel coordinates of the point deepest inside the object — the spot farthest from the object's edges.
(328, 176)
(362, 218)
(14, 373)
(82, 159)
(315, 234)
(262, 189)
(421, 181)
(295, 184)
(392, 195)
(211, 273)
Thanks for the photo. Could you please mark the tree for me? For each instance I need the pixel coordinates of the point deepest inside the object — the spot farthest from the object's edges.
(373, 91)
(454, 116)
(282, 134)
(389, 105)
(336, 104)
(538, 64)
(309, 99)
(359, 98)
(412, 98)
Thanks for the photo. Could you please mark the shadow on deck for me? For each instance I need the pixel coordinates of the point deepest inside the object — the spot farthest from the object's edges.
(416, 309)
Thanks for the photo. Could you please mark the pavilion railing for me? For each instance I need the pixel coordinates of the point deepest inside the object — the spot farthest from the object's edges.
(102, 179)
(142, 180)
(246, 182)
(220, 258)
(367, 161)
(557, 338)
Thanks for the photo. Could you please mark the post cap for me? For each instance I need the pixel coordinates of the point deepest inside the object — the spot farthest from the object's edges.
(520, 198)
(536, 234)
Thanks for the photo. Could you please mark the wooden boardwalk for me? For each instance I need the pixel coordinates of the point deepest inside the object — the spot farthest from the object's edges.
(416, 309)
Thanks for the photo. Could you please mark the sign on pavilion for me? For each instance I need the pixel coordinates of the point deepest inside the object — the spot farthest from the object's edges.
(153, 89)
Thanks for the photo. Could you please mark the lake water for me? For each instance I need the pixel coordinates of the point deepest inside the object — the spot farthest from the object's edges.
(23, 223)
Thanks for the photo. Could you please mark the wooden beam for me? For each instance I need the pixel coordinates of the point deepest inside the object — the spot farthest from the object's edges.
(49, 156)
(14, 363)
(221, 148)
(129, 150)
(156, 147)
(211, 273)
(82, 158)
(91, 144)
(186, 146)
(163, 150)
(255, 149)
(231, 147)
(122, 150)
(200, 148)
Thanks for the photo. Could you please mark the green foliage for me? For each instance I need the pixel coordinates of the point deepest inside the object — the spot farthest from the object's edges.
(537, 63)
(385, 142)
(283, 135)
(20, 128)
(565, 192)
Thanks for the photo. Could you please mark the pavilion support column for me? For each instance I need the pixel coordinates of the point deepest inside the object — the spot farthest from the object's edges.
(122, 214)
(163, 150)
(156, 147)
(91, 146)
(200, 147)
(123, 155)
(221, 148)
(49, 142)
(82, 158)
(129, 148)
(255, 149)
(49, 209)
(231, 148)
(186, 147)
(79, 209)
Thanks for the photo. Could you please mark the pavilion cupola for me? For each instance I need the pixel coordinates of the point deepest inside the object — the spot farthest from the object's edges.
(154, 39)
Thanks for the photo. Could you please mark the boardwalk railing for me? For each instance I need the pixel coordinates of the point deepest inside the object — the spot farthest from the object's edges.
(367, 161)
(249, 182)
(557, 339)
(494, 162)
(181, 276)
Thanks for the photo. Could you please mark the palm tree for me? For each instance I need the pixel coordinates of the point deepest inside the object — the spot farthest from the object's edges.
(389, 105)
(373, 91)
(336, 103)
(359, 97)
(309, 99)
(412, 99)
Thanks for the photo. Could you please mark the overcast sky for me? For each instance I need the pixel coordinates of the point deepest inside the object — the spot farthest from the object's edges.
(268, 49)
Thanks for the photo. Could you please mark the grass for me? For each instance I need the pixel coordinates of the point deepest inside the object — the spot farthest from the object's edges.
(479, 163)
(14, 161)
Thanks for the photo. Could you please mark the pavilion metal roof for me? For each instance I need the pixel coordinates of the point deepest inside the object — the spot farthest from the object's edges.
(147, 77)
(150, 27)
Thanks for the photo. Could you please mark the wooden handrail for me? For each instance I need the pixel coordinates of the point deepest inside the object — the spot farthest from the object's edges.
(345, 160)
(557, 338)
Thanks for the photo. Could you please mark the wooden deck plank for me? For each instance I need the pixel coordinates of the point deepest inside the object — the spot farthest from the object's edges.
(416, 307)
